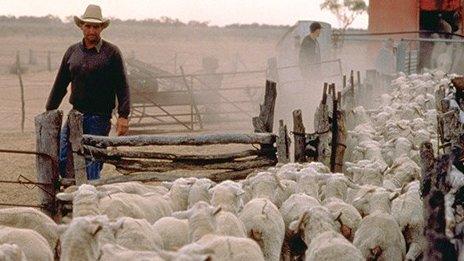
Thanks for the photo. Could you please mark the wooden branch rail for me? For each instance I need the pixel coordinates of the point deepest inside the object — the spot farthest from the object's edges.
(114, 154)
(194, 140)
(132, 165)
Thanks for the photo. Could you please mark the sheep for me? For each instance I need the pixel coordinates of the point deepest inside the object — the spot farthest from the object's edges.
(228, 196)
(202, 229)
(225, 248)
(11, 252)
(370, 199)
(264, 224)
(88, 201)
(132, 188)
(263, 185)
(34, 246)
(173, 239)
(178, 194)
(295, 205)
(403, 171)
(136, 234)
(347, 216)
(407, 210)
(229, 225)
(365, 172)
(112, 252)
(21, 217)
(200, 191)
(313, 222)
(379, 237)
(332, 246)
(149, 206)
(83, 238)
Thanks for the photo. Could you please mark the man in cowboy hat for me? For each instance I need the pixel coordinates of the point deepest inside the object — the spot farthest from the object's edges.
(95, 69)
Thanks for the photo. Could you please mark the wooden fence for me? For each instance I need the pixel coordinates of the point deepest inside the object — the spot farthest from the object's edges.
(266, 149)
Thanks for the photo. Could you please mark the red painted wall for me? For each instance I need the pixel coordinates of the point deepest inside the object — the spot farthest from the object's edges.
(393, 16)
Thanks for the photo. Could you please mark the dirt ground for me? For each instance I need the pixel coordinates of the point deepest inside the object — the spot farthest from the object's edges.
(234, 53)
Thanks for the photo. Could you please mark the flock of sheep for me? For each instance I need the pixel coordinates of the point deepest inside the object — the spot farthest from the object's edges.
(294, 211)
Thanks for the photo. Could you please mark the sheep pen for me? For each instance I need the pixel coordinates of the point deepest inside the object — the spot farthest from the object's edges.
(397, 195)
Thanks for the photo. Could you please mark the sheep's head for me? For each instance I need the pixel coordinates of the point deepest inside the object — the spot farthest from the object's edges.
(313, 222)
(85, 200)
(200, 191)
(201, 218)
(11, 252)
(85, 235)
(179, 192)
(228, 196)
(375, 199)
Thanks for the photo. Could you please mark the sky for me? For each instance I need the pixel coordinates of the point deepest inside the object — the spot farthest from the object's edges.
(217, 12)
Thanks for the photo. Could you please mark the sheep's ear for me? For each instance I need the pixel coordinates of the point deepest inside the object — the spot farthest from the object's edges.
(93, 229)
(115, 226)
(338, 217)
(293, 226)
(239, 192)
(62, 228)
(393, 195)
(181, 214)
(217, 210)
(102, 194)
(167, 184)
(64, 196)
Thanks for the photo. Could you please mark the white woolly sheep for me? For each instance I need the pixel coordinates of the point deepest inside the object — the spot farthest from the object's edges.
(228, 196)
(136, 234)
(296, 205)
(264, 224)
(329, 246)
(173, 239)
(31, 218)
(11, 252)
(347, 215)
(34, 246)
(379, 237)
(200, 191)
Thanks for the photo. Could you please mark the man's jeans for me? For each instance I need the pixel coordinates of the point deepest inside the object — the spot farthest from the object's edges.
(94, 125)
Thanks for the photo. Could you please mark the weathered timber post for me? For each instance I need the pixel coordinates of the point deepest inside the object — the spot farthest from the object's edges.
(352, 94)
(341, 136)
(299, 136)
(77, 159)
(48, 126)
(334, 129)
(283, 144)
(322, 127)
(434, 171)
(264, 123)
(21, 86)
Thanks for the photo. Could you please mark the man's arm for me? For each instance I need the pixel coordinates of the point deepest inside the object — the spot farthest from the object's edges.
(62, 80)
(122, 87)
(122, 94)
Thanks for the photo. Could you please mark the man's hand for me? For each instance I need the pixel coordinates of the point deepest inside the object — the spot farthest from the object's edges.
(122, 126)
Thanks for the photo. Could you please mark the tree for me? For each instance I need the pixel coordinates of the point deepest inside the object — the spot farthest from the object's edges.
(345, 11)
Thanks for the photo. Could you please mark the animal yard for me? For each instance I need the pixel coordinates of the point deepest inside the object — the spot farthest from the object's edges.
(234, 153)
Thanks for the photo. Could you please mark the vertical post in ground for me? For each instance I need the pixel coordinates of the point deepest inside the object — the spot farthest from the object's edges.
(75, 120)
(283, 144)
(21, 86)
(47, 127)
(299, 136)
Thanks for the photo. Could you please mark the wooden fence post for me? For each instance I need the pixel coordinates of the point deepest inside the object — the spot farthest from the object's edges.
(283, 144)
(77, 159)
(265, 121)
(21, 86)
(438, 246)
(334, 130)
(299, 136)
(48, 126)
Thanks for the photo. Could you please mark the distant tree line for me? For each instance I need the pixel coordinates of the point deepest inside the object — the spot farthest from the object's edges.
(163, 21)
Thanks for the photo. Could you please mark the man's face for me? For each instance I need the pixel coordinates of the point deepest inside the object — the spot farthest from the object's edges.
(92, 32)
(317, 32)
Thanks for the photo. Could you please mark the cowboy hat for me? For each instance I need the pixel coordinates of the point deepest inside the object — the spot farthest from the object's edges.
(93, 14)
